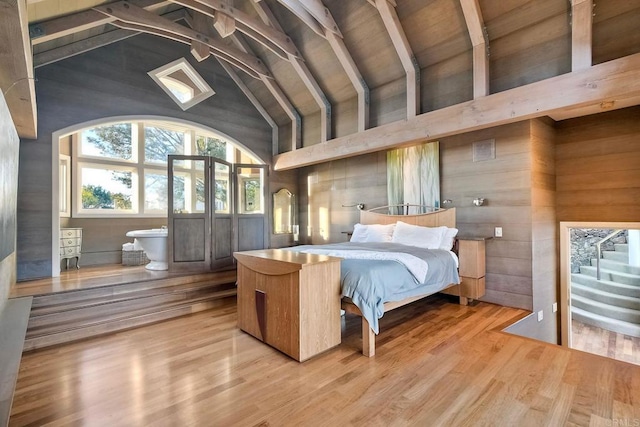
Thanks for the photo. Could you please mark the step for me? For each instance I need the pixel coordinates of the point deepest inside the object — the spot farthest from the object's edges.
(119, 324)
(621, 247)
(84, 294)
(129, 302)
(605, 297)
(613, 312)
(604, 322)
(614, 276)
(621, 267)
(616, 256)
(606, 285)
(13, 327)
(106, 315)
(91, 300)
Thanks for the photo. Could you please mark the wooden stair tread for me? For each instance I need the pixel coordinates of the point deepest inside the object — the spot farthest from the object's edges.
(118, 316)
(122, 297)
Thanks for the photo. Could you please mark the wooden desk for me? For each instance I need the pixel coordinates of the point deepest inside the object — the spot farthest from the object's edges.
(290, 300)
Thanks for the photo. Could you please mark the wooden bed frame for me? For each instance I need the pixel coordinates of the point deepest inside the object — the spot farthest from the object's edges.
(441, 217)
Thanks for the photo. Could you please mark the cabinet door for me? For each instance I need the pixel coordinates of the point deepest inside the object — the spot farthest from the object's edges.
(275, 319)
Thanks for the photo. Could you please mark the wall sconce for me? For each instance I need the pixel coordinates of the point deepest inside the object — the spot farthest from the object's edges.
(360, 206)
(447, 202)
(478, 201)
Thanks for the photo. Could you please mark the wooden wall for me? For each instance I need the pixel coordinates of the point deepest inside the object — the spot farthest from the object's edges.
(325, 188)
(8, 201)
(598, 167)
(107, 82)
(505, 183)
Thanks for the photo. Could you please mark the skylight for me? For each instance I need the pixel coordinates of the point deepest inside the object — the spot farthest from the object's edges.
(182, 83)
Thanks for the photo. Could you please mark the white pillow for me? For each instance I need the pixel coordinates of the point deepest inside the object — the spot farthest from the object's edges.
(372, 233)
(448, 238)
(421, 237)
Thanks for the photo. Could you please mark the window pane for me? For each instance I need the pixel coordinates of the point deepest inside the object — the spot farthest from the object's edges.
(160, 142)
(155, 192)
(180, 90)
(221, 190)
(250, 190)
(112, 141)
(200, 196)
(179, 196)
(106, 189)
(208, 146)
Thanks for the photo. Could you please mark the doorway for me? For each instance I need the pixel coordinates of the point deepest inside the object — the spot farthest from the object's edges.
(600, 288)
(215, 208)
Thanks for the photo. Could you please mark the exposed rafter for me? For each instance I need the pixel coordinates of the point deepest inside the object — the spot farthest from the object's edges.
(281, 99)
(303, 72)
(273, 39)
(137, 19)
(581, 34)
(199, 50)
(85, 45)
(201, 23)
(85, 20)
(409, 63)
(475, 25)
(303, 11)
(16, 79)
(225, 24)
(322, 15)
(595, 86)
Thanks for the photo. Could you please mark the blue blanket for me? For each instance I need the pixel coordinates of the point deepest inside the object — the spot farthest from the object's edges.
(371, 283)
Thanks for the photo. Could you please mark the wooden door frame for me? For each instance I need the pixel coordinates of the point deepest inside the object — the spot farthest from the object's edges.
(565, 269)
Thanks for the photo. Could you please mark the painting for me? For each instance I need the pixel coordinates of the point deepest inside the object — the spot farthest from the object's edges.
(9, 144)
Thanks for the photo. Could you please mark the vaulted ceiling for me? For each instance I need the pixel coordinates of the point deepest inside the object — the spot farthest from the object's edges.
(354, 71)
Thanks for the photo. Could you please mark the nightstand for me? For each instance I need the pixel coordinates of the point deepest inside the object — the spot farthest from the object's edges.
(71, 245)
(471, 255)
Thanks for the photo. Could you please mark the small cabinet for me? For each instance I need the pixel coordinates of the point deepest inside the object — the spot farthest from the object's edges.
(290, 300)
(71, 245)
(471, 254)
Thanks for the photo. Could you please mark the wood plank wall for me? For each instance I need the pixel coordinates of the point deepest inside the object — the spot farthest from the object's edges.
(8, 202)
(598, 167)
(326, 187)
(544, 232)
(278, 180)
(505, 183)
(107, 82)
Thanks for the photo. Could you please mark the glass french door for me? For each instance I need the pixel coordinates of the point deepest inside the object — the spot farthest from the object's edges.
(215, 208)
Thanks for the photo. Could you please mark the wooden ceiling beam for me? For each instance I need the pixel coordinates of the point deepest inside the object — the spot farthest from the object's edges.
(600, 84)
(405, 53)
(581, 34)
(16, 79)
(255, 29)
(320, 12)
(85, 45)
(224, 24)
(203, 23)
(63, 26)
(299, 10)
(475, 26)
(303, 72)
(282, 100)
(134, 18)
(342, 53)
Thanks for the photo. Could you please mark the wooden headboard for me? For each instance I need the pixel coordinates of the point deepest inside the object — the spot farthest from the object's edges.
(446, 217)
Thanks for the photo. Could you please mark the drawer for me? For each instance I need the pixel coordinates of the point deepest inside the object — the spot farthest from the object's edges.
(70, 252)
(66, 242)
(70, 232)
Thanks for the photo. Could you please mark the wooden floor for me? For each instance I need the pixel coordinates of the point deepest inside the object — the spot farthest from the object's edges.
(437, 363)
(605, 343)
(88, 277)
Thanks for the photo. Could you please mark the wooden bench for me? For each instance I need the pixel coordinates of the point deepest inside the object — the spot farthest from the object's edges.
(14, 318)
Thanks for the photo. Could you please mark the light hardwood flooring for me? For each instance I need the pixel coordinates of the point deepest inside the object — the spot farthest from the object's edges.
(88, 277)
(438, 363)
(605, 343)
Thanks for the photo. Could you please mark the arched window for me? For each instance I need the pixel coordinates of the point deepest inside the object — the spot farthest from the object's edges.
(120, 169)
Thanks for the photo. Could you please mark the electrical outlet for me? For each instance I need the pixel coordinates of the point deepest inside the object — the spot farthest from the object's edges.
(554, 307)
(498, 232)
(540, 315)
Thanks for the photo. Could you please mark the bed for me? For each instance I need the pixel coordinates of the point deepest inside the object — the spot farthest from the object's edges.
(362, 275)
